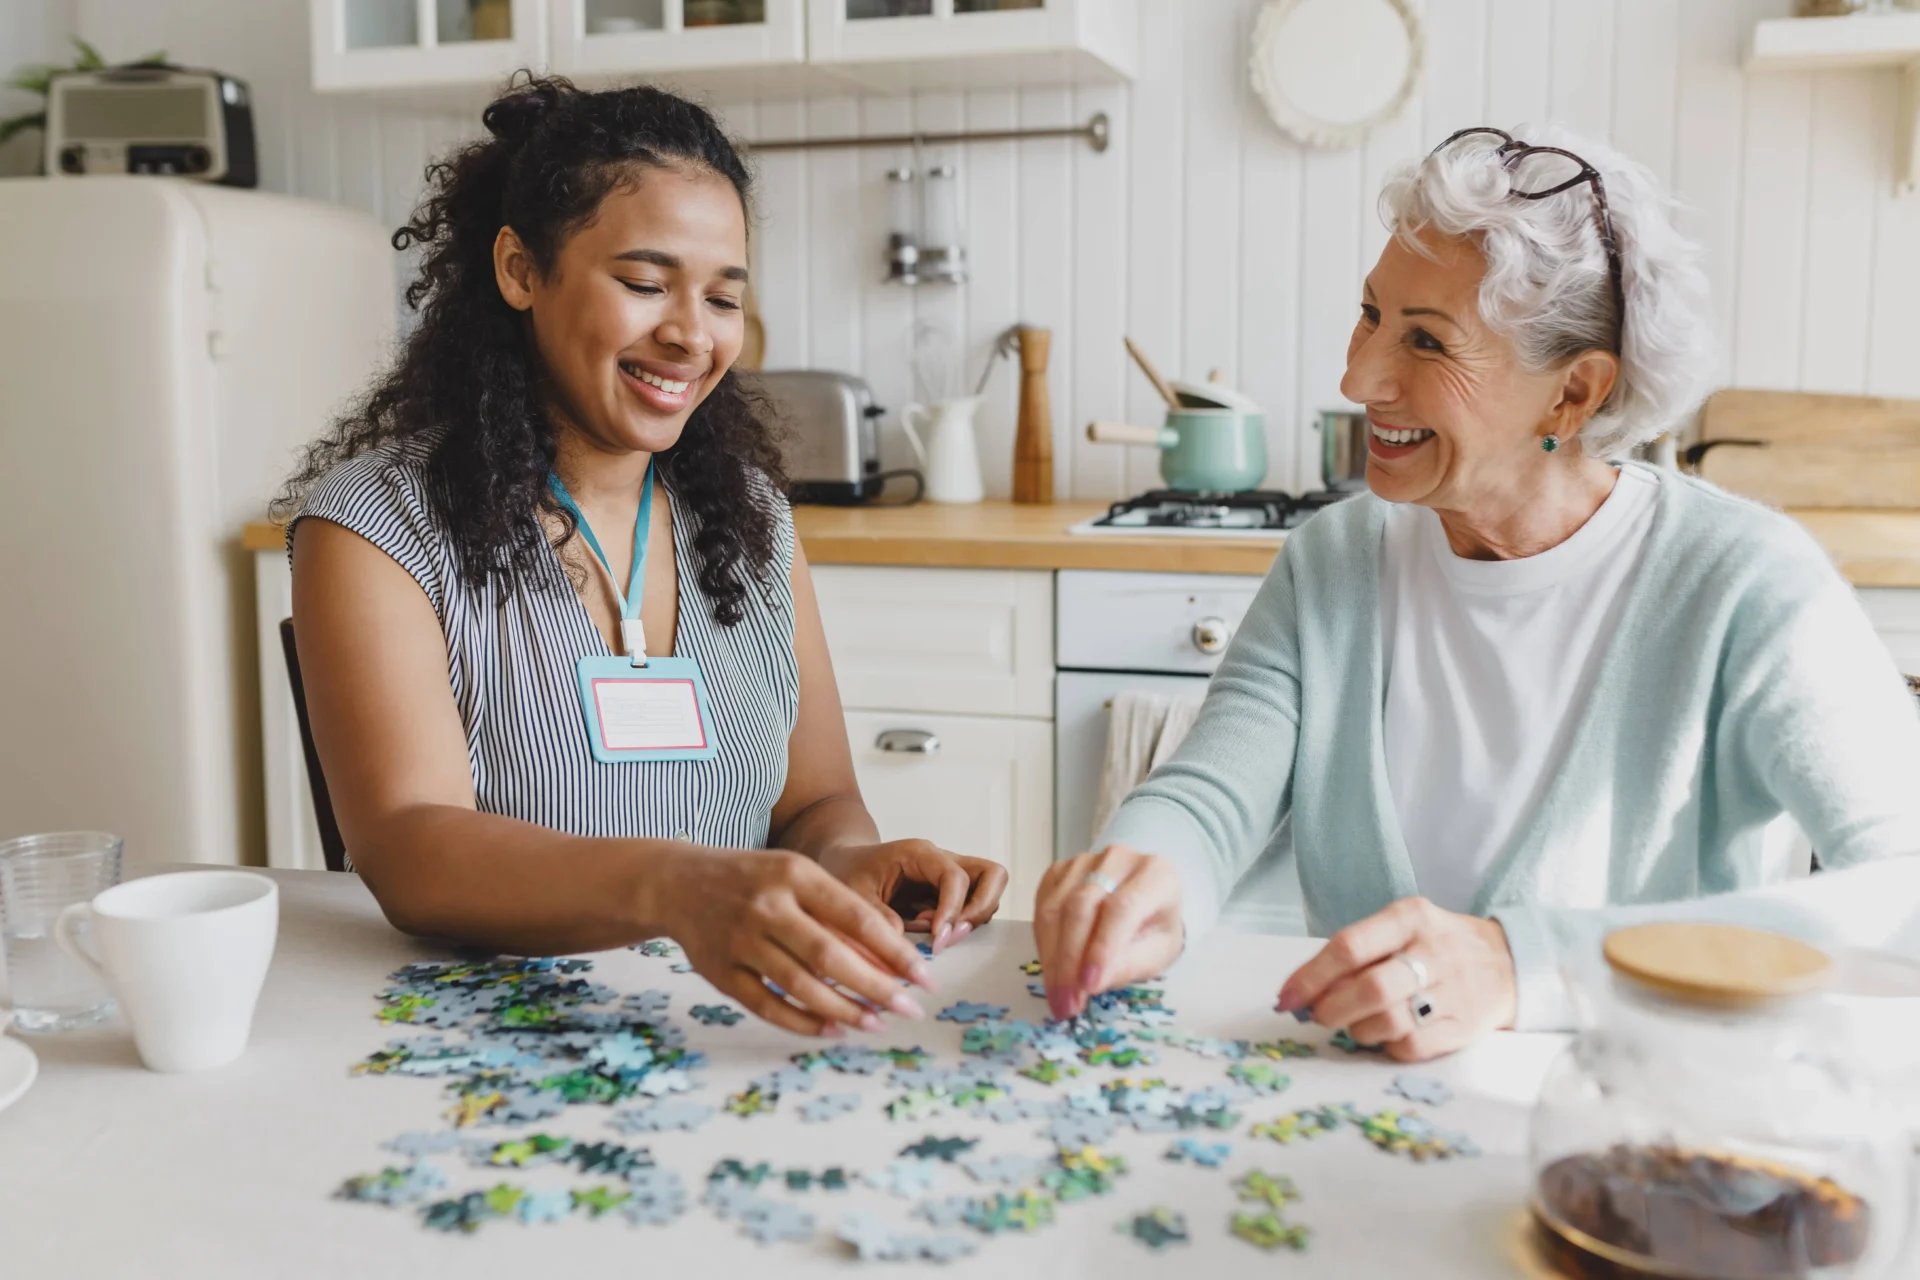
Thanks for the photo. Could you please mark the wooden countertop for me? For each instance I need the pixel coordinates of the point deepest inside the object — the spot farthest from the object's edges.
(1871, 548)
(986, 535)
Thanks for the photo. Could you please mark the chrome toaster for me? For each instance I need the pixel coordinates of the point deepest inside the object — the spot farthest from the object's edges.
(832, 444)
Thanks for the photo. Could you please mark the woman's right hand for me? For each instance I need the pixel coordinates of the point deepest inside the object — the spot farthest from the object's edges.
(749, 917)
(1092, 940)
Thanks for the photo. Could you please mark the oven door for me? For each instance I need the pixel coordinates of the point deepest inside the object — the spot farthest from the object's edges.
(1080, 702)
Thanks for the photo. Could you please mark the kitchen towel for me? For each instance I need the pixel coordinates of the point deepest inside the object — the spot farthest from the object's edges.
(1143, 729)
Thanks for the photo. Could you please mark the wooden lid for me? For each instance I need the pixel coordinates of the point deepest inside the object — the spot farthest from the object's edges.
(1717, 963)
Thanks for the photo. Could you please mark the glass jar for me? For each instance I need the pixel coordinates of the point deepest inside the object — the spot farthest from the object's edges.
(1707, 1120)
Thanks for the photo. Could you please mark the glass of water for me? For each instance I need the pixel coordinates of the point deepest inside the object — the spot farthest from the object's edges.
(39, 877)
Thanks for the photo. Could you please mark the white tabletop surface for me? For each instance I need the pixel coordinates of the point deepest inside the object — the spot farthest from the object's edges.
(110, 1170)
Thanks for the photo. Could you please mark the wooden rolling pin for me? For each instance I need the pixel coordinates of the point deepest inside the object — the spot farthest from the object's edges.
(1033, 438)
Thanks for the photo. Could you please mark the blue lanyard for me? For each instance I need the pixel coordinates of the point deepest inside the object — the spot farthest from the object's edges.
(631, 631)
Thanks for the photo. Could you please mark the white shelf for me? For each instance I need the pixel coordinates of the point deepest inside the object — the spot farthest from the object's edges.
(1834, 44)
(1860, 42)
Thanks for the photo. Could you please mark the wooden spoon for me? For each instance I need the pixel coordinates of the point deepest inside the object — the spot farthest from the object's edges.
(1153, 374)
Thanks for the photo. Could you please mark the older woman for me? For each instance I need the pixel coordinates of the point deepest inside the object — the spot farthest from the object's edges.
(1523, 685)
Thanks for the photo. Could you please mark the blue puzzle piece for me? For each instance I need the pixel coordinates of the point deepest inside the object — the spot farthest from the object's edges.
(969, 1011)
(669, 1113)
(828, 1106)
(906, 1178)
(1426, 1090)
(544, 1206)
(1209, 1154)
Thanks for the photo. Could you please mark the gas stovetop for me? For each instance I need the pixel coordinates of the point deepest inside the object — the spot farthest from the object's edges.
(1254, 514)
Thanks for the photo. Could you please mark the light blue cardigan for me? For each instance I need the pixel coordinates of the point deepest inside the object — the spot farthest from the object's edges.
(1745, 680)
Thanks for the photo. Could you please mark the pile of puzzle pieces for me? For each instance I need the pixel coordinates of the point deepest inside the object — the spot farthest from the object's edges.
(518, 1042)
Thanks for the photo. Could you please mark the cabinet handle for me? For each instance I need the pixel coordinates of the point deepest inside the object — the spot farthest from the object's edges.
(911, 741)
(1210, 635)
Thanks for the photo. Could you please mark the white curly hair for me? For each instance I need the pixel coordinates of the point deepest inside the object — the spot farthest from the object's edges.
(1547, 286)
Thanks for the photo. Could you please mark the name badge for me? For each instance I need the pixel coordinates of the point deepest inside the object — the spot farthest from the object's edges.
(655, 712)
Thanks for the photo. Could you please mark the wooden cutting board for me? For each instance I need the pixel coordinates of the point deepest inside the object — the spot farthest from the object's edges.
(1820, 451)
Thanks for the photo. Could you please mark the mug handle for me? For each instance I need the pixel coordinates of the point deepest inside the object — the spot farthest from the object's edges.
(63, 933)
(907, 415)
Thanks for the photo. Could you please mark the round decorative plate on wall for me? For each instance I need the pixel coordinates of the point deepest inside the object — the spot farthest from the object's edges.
(1330, 70)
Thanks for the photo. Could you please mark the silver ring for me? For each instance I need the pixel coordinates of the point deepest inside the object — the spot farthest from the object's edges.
(1419, 968)
(1420, 1005)
(1106, 882)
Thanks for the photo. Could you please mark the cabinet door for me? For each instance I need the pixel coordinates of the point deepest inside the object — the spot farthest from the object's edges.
(424, 44)
(899, 44)
(976, 785)
(959, 640)
(626, 37)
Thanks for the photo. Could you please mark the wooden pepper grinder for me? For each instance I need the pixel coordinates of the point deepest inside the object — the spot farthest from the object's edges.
(1033, 439)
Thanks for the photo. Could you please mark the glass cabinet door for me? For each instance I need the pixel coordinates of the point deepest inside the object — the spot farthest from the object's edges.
(893, 46)
(381, 24)
(633, 37)
(423, 44)
(871, 30)
(872, 10)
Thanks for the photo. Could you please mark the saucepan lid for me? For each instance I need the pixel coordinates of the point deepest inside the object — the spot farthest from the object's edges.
(1213, 395)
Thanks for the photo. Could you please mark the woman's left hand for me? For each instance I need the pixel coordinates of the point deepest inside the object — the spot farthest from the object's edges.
(1359, 980)
(921, 886)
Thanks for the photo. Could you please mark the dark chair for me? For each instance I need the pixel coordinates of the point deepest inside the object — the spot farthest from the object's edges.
(332, 847)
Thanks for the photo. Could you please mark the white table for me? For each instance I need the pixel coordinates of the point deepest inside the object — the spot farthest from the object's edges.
(109, 1170)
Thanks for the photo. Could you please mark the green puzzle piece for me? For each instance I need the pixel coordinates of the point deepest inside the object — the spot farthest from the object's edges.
(1267, 1231)
(1273, 1190)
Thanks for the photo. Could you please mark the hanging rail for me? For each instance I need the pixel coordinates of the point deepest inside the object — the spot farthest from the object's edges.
(1095, 131)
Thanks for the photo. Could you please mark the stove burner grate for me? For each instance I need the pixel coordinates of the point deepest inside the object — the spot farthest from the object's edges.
(1251, 510)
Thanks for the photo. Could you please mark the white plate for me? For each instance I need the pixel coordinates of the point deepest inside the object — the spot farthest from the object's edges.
(18, 1067)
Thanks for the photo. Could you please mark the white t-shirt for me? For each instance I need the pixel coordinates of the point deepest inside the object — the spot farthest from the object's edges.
(1489, 664)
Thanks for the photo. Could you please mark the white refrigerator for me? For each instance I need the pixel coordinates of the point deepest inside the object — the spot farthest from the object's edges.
(166, 349)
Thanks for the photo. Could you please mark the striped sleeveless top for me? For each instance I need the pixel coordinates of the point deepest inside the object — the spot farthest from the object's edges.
(510, 665)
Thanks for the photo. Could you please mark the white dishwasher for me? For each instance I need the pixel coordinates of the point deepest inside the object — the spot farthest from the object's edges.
(1150, 632)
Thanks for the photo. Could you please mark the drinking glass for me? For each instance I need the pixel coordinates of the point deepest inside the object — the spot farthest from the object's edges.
(41, 876)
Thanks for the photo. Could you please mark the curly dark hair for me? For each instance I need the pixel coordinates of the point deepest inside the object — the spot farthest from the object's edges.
(466, 389)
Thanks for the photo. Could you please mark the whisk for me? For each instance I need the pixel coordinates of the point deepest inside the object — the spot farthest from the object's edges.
(935, 374)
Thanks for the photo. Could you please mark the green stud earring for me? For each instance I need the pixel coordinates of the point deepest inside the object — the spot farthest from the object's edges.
(1550, 443)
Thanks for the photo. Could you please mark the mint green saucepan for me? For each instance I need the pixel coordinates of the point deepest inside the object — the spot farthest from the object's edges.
(1215, 443)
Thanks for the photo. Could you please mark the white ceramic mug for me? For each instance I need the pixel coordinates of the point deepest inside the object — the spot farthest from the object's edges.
(948, 456)
(186, 954)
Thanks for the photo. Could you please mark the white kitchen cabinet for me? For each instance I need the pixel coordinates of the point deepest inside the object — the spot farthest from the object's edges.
(977, 785)
(456, 52)
(415, 45)
(947, 677)
(969, 641)
(896, 46)
(730, 48)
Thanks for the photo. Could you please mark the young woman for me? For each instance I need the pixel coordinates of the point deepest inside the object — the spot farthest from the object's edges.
(564, 664)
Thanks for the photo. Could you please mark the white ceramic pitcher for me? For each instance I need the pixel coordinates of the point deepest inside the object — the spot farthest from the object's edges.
(949, 458)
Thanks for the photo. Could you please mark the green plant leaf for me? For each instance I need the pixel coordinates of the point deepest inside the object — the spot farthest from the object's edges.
(158, 58)
(34, 79)
(90, 58)
(20, 124)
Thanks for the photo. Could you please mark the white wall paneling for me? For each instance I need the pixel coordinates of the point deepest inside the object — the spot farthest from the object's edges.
(1203, 232)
